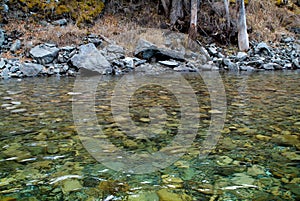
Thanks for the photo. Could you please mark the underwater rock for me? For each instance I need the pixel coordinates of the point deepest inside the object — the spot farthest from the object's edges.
(70, 185)
(165, 195)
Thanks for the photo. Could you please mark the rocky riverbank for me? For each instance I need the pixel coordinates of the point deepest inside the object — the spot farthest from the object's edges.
(99, 54)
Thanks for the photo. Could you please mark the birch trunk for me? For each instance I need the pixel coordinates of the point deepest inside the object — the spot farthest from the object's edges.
(176, 11)
(193, 23)
(226, 4)
(243, 39)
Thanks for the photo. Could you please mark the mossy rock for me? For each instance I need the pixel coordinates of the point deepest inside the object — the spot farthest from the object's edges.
(80, 11)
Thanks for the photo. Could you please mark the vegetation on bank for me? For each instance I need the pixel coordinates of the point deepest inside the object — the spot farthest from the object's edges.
(267, 20)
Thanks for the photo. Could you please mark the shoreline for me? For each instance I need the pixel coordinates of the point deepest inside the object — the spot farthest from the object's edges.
(102, 55)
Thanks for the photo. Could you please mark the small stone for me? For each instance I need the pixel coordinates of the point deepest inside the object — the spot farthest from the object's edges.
(263, 137)
(165, 195)
(241, 56)
(256, 170)
(71, 185)
(224, 160)
(18, 111)
(242, 179)
(60, 22)
(15, 46)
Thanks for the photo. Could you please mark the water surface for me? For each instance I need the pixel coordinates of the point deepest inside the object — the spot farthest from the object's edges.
(256, 158)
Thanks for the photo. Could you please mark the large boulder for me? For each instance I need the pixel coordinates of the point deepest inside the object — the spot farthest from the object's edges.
(44, 53)
(89, 58)
(147, 50)
(31, 69)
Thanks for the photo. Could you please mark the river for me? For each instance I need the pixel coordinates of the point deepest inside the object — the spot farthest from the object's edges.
(196, 136)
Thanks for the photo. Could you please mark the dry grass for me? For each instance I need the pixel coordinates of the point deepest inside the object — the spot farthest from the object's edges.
(268, 21)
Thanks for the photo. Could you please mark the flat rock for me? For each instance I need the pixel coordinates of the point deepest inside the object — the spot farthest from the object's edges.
(169, 63)
(31, 69)
(89, 58)
(44, 53)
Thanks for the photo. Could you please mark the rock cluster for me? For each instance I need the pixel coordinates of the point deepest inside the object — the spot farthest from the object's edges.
(284, 55)
(48, 59)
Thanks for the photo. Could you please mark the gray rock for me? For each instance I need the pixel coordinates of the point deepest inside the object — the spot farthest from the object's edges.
(2, 37)
(165, 54)
(15, 46)
(60, 22)
(129, 62)
(247, 68)
(272, 66)
(115, 49)
(171, 64)
(287, 40)
(89, 58)
(184, 69)
(230, 65)
(212, 50)
(5, 73)
(263, 48)
(44, 53)
(31, 69)
(145, 50)
(241, 56)
(296, 63)
(2, 63)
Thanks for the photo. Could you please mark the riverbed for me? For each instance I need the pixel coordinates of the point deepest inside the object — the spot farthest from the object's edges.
(49, 147)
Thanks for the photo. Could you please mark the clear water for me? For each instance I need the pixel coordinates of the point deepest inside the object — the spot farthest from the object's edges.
(256, 157)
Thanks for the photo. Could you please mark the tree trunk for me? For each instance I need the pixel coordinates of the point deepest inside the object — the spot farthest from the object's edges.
(176, 11)
(193, 23)
(243, 39)
(166, 5)
(226, 4)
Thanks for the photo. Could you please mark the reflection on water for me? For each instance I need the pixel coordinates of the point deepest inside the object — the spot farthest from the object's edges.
(256, 158)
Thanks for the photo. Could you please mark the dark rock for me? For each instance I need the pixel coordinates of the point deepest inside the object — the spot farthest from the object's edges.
(60, 22)
(171, 64)
(15, 46)
(31, 69)
(145, 50)
(90, 58)
(44, 53)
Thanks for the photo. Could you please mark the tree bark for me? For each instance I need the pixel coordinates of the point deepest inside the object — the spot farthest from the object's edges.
(166, 5)
(226, 4)
(176, 11)
(193, 23)
(243, 39)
